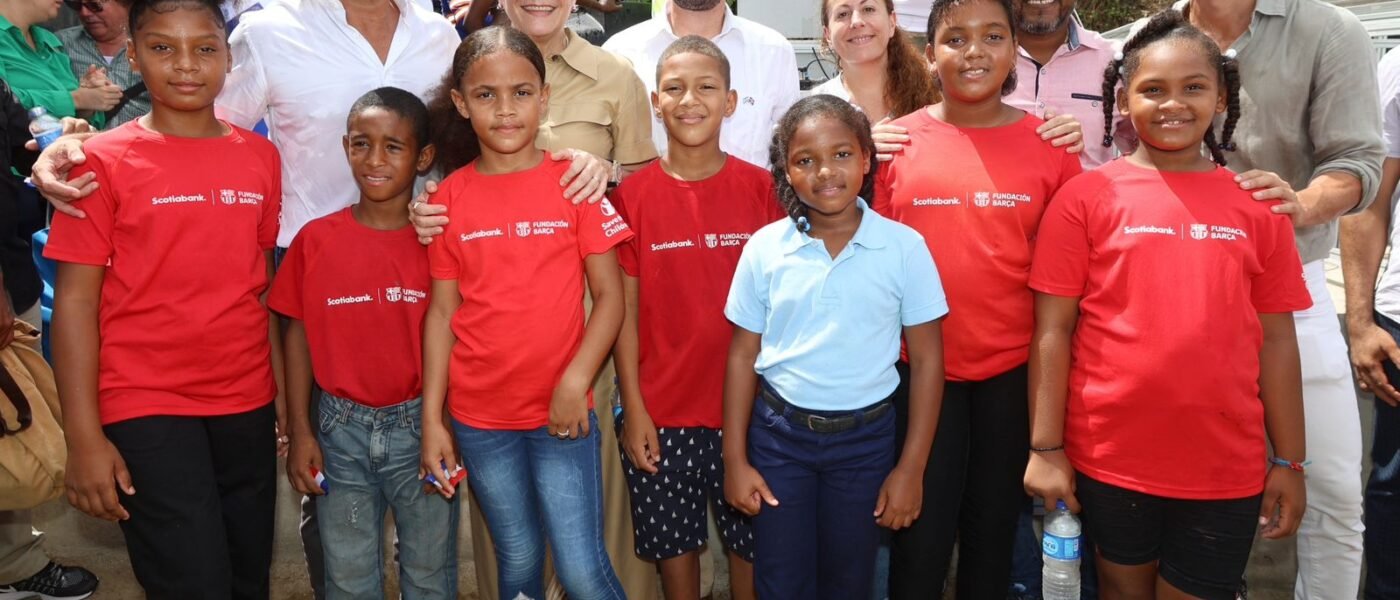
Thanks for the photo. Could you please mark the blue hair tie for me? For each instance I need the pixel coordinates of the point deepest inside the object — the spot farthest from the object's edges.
(803, 224)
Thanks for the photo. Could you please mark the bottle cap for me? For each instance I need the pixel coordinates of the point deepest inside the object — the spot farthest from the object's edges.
(1060, 505)
(37, 112)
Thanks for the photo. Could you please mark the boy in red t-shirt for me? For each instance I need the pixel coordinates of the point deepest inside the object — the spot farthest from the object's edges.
(692, 212)
(164, 349)
(356, 280)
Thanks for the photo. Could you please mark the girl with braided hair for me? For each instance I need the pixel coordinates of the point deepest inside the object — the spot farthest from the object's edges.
(1164, 346)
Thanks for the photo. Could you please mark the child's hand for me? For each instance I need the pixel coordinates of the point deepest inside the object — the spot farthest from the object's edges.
(568, 410)
(95, 473)
(1285, 498)
(304, 454)
(1062, 131)
(1268, 186)
(901, 499)
(745, 489)
(639, 440)
(1050, 476)
(437, 450)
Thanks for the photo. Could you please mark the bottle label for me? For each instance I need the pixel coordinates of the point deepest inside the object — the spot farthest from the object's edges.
(1061, 548)
(47, 137)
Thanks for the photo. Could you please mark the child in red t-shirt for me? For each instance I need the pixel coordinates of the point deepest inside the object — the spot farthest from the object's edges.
(1164, 343)
(974, 180)
(165, 352)
(351, 281)
(505, 343)
(691, 212)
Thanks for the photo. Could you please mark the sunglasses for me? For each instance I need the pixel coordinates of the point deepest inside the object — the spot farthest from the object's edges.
(93, 6)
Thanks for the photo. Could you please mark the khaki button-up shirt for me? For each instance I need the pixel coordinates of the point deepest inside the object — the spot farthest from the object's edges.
(596, 104)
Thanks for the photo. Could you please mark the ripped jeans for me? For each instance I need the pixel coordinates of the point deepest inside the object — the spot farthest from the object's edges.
(371, 465)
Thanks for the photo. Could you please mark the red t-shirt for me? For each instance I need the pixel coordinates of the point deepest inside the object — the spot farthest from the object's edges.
(689, 235)
(1172, 271)
(181, 225)
(977, 196)
(516, 247)
(362, 294)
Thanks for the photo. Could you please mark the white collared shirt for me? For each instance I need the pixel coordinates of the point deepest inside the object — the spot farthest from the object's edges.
(300, 66)
(763, 70)
(913, 14)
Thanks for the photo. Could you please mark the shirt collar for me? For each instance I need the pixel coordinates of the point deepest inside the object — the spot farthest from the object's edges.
(42, 37)
(664, 18)
(580, 54)
(866, 235)
(1273, 8)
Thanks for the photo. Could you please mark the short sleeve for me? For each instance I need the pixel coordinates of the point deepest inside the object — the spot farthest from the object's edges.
(87, 241)
(1280, 287)
(245, 97)
(747, 305)
(600, 228)
(632, 142)
(923, 298)
(1060, 265)
(442, 256)
(286, 297)
(882, 202)
(271, 222)
(1069, 168)
(628, 252)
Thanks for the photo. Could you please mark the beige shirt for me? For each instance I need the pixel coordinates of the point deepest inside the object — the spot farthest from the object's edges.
(596, 104)
(1307, 103)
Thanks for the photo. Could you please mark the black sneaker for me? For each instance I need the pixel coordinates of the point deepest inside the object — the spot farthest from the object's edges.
(53, 582)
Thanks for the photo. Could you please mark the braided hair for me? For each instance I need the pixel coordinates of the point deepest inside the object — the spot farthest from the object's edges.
(820, 105)
(1170, 25)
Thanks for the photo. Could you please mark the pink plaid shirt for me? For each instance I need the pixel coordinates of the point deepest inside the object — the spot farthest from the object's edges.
(1072, 82)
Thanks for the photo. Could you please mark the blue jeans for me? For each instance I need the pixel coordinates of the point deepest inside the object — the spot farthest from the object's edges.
(371, 464)
(1383, 492)
(821, 540)
(528, 480)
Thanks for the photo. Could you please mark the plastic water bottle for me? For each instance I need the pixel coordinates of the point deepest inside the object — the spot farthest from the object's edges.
(43, 126)
(1060, 550)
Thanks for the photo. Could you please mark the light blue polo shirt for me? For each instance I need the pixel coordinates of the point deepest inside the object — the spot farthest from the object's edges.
(831, 327)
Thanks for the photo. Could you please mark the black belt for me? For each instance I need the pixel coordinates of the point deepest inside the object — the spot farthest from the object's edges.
(822, 423)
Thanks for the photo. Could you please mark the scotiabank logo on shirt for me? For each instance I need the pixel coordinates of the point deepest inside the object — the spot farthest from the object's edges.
(706, 240)
(1192, 231)
(226, 197)
(975, 199)
(388, 295)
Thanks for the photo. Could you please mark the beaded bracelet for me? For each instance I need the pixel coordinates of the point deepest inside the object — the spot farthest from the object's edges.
(1050, 449)
(1295, 466)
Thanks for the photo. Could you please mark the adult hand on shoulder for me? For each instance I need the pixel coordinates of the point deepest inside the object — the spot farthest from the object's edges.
(50, 174)
(303, 455)
(1050, 476)
(1371, 346)
(568, 410)
(587, 177)
(1285, 498)
(901, 498)
(1063, 131)
(640, 440)
(1267, 186)
(745, 489)
(429, 220)
(436, 450)
(95, 473)
(889, 139)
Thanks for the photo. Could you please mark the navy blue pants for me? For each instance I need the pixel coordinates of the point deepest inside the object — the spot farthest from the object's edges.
(1383, 493)
(820, 541)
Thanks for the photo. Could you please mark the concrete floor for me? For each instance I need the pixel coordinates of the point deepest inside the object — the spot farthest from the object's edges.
(76, 539)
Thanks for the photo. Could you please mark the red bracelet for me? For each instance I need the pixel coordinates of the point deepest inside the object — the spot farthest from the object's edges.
(1295, 466)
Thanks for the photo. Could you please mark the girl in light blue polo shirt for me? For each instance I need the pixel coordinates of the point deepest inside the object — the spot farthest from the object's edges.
(819, 302)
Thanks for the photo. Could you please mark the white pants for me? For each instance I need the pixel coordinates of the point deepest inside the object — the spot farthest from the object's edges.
(1329, 539)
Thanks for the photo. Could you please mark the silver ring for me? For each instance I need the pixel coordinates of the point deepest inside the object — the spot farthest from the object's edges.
(563, 433)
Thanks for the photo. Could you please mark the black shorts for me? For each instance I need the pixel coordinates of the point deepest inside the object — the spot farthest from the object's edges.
(1202, 546)
(670, 509)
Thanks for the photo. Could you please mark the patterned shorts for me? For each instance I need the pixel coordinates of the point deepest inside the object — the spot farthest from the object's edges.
(669, 509)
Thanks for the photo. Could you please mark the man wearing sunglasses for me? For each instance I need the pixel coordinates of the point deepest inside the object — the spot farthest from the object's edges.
(99, 45)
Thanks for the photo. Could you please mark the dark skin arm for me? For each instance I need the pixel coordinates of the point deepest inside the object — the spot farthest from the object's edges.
(568, 410)
(305, 452)
(639, 437)
(476, 15)
(1364, 237)
(1049, 474)
(1281, 391)
(902, 495)
(96, 469)
(744, 487)
(436, 444)
(274, 338)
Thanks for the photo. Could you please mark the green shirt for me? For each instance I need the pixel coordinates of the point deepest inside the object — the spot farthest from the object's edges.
(40, 76)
